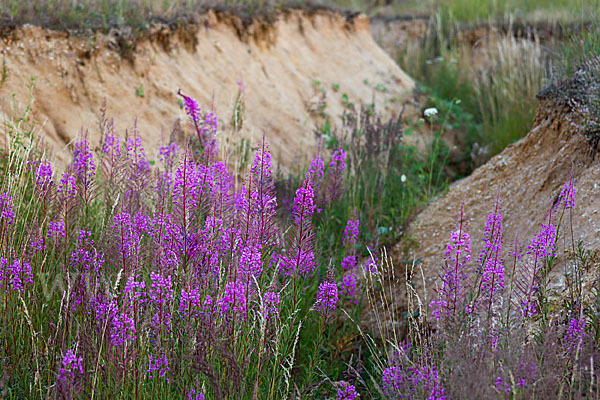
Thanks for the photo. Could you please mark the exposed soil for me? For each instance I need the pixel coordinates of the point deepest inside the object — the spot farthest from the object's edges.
(278, 63)
(528, 177)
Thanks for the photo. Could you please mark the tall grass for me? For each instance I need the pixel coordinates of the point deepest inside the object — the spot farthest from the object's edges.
(561, 11)
(496, 79)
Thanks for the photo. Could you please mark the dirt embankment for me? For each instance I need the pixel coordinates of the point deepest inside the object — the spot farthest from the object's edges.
(295, 71)
(528, 176)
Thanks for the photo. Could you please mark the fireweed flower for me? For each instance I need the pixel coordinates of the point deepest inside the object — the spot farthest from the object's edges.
(412, 382)
(250, 261)
(338, 161)
(327, 298)
(271, 304)
(206, 125)
(346, 391)
(542, 246)
(491, 262)
(301, 259)
(351, 232)
(84, 258)
(348, 286)
(450, 294)
(19, 273)
(67, 187)
(335, 176)
(190, 302)
(83, 165)
(137, 155)
(316, 170)
(304, 202)
(195, 395)
(7, 212)
(43, 175)
(112, 146)
(567, 195)
(161, 293)
(502, 386)
(71, 365)
(575, 334)
(349, 262)
(3, 263)
(122, 327)
(168, 154)
(56, 229)
(233, 299)
(158, 367)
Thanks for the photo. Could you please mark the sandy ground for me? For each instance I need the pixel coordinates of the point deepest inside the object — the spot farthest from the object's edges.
(278, 64)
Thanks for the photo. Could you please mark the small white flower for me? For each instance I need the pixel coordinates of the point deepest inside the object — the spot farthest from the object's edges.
(403, 178)
(430, 112)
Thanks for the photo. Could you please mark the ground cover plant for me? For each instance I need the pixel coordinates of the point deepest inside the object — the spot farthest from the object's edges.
(129, 277)
(122, 277)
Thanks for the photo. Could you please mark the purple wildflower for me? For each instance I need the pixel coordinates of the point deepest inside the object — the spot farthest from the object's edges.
(19, 273)
(300, 259)
(316, 170)
(43, 175)
(346, 391)
(335, 178)
(158, 364)
(528, 308)
(575, 334)
(250, 260)
(566, 198)
(372, 262)
(112, 146)
(338, 161)
(168, 154)
(83, 166)
(122, 328)
(502, 386)
(67, 187)
(56, 229)
(327, 298)
(137, 155)
(349, 262)
(412, 382)
(491, 262)
(271, 304)
(7, 212)
(348, 286)
(233, 299)
(544, 244)
(304, 206)
(451, 294)
(194, 395)
(190, 302)
(161, 294)
(71, 365)
(351, 232)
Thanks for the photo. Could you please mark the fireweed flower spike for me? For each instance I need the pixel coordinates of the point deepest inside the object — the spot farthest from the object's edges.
(327, 298)
(300, 260)
(542, 246)
(7, 213)
(335, 175)
(71, 369)
(458, 254)
(206, 126)
(346, 391)
(491, 263)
